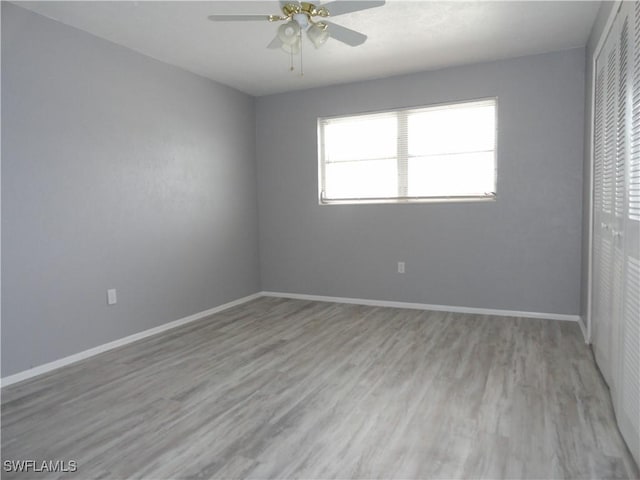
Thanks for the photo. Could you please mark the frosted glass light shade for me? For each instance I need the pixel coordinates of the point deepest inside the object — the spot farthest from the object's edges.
(289, 33)
(317, 35)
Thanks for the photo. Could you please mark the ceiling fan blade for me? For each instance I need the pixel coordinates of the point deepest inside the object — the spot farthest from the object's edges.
(275, 43)
(237, 18)
(340, 7)
(345, 35)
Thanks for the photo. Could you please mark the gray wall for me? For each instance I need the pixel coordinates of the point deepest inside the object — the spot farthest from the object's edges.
(594, 37)
(123, 172)
(117, 171)
(521, 252)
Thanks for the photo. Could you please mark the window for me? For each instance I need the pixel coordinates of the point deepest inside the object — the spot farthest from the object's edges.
(442, 152)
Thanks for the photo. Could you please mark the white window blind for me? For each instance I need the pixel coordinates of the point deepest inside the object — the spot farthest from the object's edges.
(429, 153)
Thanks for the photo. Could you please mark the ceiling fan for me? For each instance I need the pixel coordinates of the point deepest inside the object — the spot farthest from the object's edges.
(302, 17)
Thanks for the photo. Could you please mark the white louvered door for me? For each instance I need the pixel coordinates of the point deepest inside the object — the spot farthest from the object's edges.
(616, 235)
(628, 410)
(605, 149)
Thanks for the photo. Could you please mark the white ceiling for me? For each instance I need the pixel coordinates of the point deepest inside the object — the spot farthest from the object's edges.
(404, 36)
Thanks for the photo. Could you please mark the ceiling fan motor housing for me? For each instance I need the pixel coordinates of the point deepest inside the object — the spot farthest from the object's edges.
(306, 8)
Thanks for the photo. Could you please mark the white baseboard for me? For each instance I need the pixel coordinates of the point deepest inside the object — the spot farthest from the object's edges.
(426, 306)
(76, 357)
(583, 327)
(47, 367)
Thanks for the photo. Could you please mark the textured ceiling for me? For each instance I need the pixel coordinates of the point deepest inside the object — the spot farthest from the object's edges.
(404, 36)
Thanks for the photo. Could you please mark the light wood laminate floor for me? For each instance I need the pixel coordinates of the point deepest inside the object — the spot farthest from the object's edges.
(281, 388)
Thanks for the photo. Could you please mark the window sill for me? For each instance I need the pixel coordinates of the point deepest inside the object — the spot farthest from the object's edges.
(406, 201)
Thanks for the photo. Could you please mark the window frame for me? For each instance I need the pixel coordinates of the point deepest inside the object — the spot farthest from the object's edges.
(403, 159)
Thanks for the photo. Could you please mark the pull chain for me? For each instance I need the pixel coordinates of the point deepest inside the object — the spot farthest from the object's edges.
(301, 67)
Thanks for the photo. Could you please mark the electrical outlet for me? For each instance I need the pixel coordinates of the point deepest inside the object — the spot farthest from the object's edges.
(112, 297)
(400, 267)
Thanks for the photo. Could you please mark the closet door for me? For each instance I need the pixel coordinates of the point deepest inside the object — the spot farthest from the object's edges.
(628, 402)
(605, 130)
(616, 234)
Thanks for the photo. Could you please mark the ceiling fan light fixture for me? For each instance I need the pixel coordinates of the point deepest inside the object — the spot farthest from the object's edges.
(318, 34)
(301, 16)
(289, 33)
